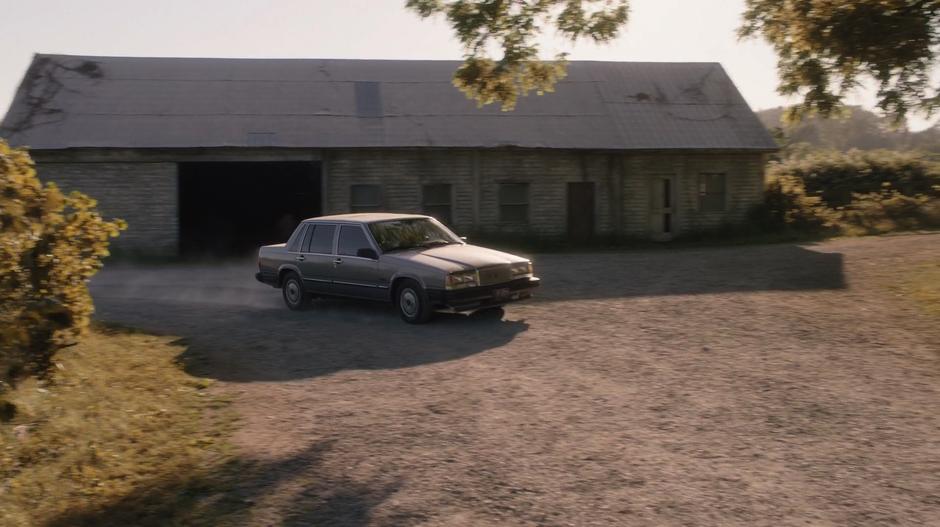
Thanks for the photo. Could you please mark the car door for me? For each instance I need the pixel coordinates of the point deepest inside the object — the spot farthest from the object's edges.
(356, 266)
(316, 258)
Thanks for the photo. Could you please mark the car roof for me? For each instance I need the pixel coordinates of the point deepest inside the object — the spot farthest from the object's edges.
(366, 217)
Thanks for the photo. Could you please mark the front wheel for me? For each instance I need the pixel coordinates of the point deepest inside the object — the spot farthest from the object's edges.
(292, 289)
(412, 303)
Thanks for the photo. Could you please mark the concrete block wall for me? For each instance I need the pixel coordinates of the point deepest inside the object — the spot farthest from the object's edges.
(622, 186)
(143, 194)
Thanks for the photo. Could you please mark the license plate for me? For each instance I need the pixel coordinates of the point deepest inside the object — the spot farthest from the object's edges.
(501, 294)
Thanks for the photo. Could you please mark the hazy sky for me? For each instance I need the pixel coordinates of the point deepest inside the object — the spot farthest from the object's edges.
(659, 30)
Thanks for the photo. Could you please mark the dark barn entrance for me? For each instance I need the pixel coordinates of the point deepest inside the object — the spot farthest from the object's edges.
(229, 209)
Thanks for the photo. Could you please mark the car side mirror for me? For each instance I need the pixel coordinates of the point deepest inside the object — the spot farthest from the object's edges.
(367, 253)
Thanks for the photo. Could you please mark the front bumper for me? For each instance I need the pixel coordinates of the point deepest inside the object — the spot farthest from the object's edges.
(474, 298)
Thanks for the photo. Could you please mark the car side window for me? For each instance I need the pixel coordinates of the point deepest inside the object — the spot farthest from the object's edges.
(322, 240)
(351, 239)
(294, 244)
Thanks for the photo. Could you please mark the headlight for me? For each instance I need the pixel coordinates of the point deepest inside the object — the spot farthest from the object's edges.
(521, 269)
(462, 279)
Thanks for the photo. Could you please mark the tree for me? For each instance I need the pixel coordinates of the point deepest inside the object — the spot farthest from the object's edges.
(513, 26)
(826, 48)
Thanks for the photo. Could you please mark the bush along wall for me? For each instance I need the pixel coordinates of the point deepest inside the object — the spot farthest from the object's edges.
(853, 193)
(50, 245)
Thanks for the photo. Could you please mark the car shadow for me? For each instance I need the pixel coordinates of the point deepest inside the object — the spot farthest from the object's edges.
(246, 344)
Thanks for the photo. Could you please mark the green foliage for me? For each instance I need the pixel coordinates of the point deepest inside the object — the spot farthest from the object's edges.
(889, 211)
(514, 26)
(854, 193)
(787, 206)
(836, 176)
(825, 48)
(50, 245)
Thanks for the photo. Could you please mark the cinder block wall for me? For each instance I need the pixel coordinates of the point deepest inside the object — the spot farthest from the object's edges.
(623, 186)
(143, 194)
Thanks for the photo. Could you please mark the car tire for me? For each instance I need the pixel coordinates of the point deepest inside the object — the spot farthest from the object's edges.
(411, 301)
(292, 289)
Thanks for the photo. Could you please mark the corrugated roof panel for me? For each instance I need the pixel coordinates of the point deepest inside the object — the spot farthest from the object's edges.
(117, 102)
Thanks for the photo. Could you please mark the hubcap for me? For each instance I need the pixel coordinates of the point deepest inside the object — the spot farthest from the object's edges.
(293, 291)
(408, 302)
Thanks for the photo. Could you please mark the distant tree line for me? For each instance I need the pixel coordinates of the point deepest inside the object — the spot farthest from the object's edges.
(855, 128)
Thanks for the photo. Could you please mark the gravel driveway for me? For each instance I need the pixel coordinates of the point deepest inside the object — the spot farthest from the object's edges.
(761, 385)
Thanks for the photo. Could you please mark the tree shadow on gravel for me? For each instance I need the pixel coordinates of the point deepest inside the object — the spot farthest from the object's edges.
(242, 344)
(225, 494)
(688, 272)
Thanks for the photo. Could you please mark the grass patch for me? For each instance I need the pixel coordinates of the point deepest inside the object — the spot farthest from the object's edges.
(119, 423)
(923, 285)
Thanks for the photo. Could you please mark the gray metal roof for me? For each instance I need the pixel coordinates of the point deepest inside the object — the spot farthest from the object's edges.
(121, 102)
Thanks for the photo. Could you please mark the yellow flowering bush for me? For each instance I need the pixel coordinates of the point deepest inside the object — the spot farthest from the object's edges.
(50, 245)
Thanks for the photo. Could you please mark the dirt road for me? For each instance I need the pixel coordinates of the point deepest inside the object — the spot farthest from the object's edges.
(761, 385)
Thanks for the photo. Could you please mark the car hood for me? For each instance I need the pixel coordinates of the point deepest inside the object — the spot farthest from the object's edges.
(452, 258)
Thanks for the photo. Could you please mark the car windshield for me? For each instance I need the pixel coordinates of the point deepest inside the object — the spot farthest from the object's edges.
(411, 233)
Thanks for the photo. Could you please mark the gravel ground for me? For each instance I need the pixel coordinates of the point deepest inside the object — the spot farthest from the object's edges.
(760, 385)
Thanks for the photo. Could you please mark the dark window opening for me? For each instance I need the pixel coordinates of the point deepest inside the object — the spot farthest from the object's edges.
(514, 202)
(711, 192)
(365, 198)
(667, 193)
(436, 201)
(667, 223)
(232, 208)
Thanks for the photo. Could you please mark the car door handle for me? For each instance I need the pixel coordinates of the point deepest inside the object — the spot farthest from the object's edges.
(299, 258)
(337, 261)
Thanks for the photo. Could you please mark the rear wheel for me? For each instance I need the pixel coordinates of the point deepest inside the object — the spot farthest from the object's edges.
(412, 303)
(292, 289)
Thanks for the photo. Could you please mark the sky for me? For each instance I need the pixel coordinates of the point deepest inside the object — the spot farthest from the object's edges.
(659, 30)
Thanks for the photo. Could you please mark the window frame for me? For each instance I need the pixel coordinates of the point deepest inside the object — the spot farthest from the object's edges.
(450, 202)
(365, 232)
(366, 208)
(527, 204)
(314, 226)
(706, 199)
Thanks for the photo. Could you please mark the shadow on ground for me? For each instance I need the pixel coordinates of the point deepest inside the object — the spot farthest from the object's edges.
(236, 329)
(688, 272)
(224, 494)
(240, 344)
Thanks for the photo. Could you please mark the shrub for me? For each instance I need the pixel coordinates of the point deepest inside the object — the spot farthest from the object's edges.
(787, 206)
(888, 211)
(50, 245)
(835, 177)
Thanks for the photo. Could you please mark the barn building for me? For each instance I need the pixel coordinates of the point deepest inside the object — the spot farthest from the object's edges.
(221, 155)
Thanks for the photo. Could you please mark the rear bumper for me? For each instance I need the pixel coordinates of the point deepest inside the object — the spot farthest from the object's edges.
(268, 280)
(481, 297)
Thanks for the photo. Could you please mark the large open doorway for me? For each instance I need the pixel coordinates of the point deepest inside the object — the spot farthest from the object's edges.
(231, 208)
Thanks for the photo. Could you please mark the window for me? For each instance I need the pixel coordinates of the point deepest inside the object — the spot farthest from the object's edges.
(514, 202)
(436, 201)
(711, 192)
(322, 240)
(365, 198)
(296, 239)
(351, 239)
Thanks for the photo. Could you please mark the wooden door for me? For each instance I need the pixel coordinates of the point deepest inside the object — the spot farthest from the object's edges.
(581, 211)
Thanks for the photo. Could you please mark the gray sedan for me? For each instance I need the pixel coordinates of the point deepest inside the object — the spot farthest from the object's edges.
(411, 260)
